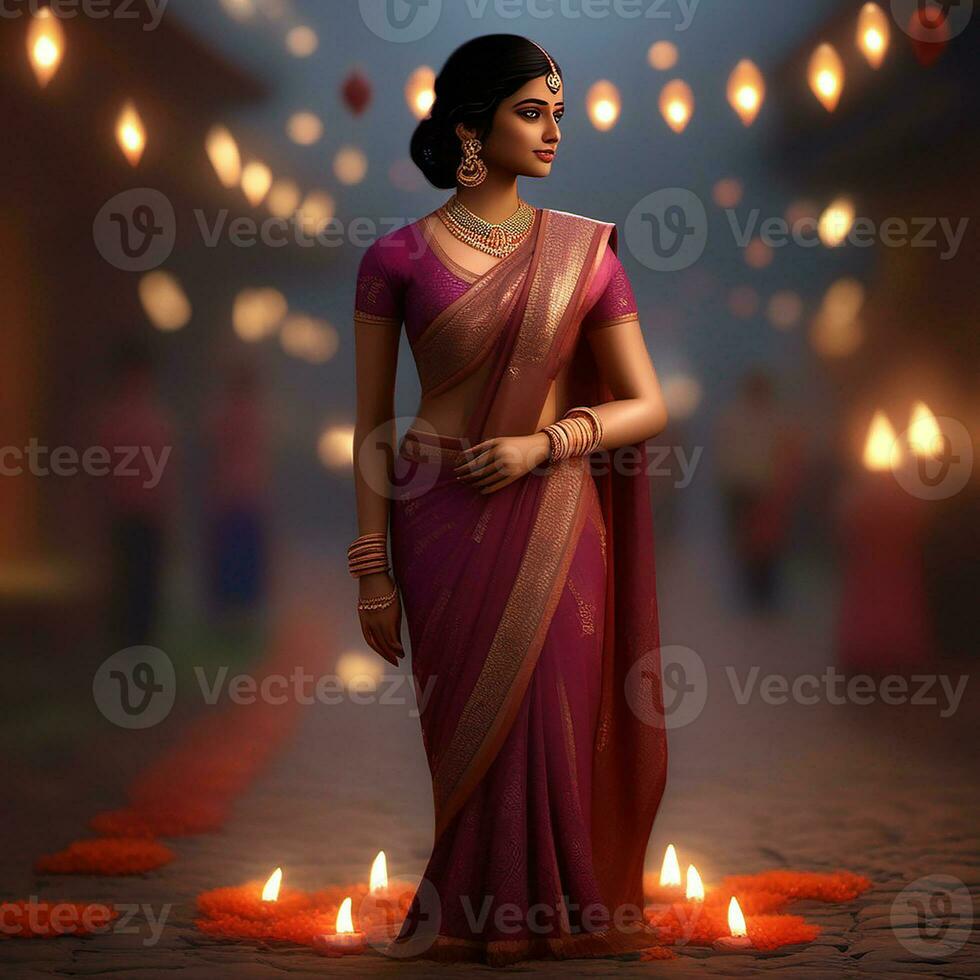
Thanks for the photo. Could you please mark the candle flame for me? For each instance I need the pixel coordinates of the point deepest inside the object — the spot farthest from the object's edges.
(873, 34)
(131, 134)
(746, 91)
(695, 887)
(670, 870)
(826, 75)
(736, 921)
(420, 91)
(925, 436)
(836, 222)
(677, 104)
(270, 890)
(345, 921)
(256, 181)
(379, 873)
(603, 104)
(223, 153)
(45, 45)
(881, 451)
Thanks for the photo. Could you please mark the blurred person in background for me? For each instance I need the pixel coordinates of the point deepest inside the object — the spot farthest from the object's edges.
(237, 507)
(759, 458)
(136, 429)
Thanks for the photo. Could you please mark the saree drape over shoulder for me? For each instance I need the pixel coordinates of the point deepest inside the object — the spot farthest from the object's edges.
(532, 617)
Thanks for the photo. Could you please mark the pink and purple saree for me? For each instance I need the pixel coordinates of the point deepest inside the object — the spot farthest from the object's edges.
(532, 617)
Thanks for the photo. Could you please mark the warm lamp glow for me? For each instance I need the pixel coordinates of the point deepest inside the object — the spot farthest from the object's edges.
(304, 128)
(239, 9)
(345, 921)
(677, 104)
(336, 447)
(746, 91)
(164, 301)
(836, 222)
(270, 890)
(682, 395)
(308, 338)
(350, 165)
(695, 888)
(727, 192)
(603, 104)
(302, 41)
(359, 673)
(257, 313)
(283, 200)
(223, 153)
(378, 880)
(256, 181)
(873, 34)
(420, 91)
(131, 134)
(881, 449)
(925, 436)
(670, 870)
(826, 76)
(662, 55)
(317, 209)
(45, 45)
(736, 921)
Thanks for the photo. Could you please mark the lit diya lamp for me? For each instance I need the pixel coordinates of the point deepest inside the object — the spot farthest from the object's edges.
(670, 875)
(254, 901)
(694, 891)
(738, 941)
(345, 940)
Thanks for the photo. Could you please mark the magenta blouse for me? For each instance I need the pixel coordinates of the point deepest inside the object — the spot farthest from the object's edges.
(402, 280)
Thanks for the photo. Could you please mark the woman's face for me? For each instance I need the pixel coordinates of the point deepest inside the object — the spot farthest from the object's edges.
(524, 123)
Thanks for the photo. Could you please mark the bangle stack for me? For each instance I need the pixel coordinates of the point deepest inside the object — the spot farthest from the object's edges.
(368, 554)
(577, 433)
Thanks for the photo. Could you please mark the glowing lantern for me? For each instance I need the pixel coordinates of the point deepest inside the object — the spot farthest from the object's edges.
(677, 104)
(836, 223)
(695, 888)
(826, 76)
(662, 55)
(736, 921)
(378, 879)
(925, 436)
(283, 199)
(881, 449)
(257, 313)
(45, 45)
(746, 91)
(256, 181)
(350, 165)
(670, 870)
(873, 34)
(270, 890)
(420, 91)
(164, 301)
(356, 92)
(603, 105)
(301, 42)
(336, 447)
(131, 134)
(223, 153)
(304, 128)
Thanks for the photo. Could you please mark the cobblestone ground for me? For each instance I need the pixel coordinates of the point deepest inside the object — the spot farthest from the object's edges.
(890, 791)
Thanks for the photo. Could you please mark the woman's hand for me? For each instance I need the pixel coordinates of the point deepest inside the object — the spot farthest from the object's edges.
(381, 627)
(492, 464)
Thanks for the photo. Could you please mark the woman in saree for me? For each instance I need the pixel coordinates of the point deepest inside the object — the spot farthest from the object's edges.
(519, 515)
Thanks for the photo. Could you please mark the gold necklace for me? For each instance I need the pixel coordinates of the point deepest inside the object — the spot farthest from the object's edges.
(494, 239)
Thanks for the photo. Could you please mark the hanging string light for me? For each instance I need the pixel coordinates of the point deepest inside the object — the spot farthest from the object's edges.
(677, 104)
(746, 91)
(131, 134)
(826, 76)
(420, 91)
(223, 153)
(603, 104)
(45, 45)
(873, 34)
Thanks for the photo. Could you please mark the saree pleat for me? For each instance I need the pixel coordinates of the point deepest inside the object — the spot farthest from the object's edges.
(516, 630)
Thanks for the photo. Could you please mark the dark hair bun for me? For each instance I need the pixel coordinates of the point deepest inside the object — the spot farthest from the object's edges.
(436, 150)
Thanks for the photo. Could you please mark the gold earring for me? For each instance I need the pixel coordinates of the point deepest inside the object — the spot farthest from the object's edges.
(472, 171)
